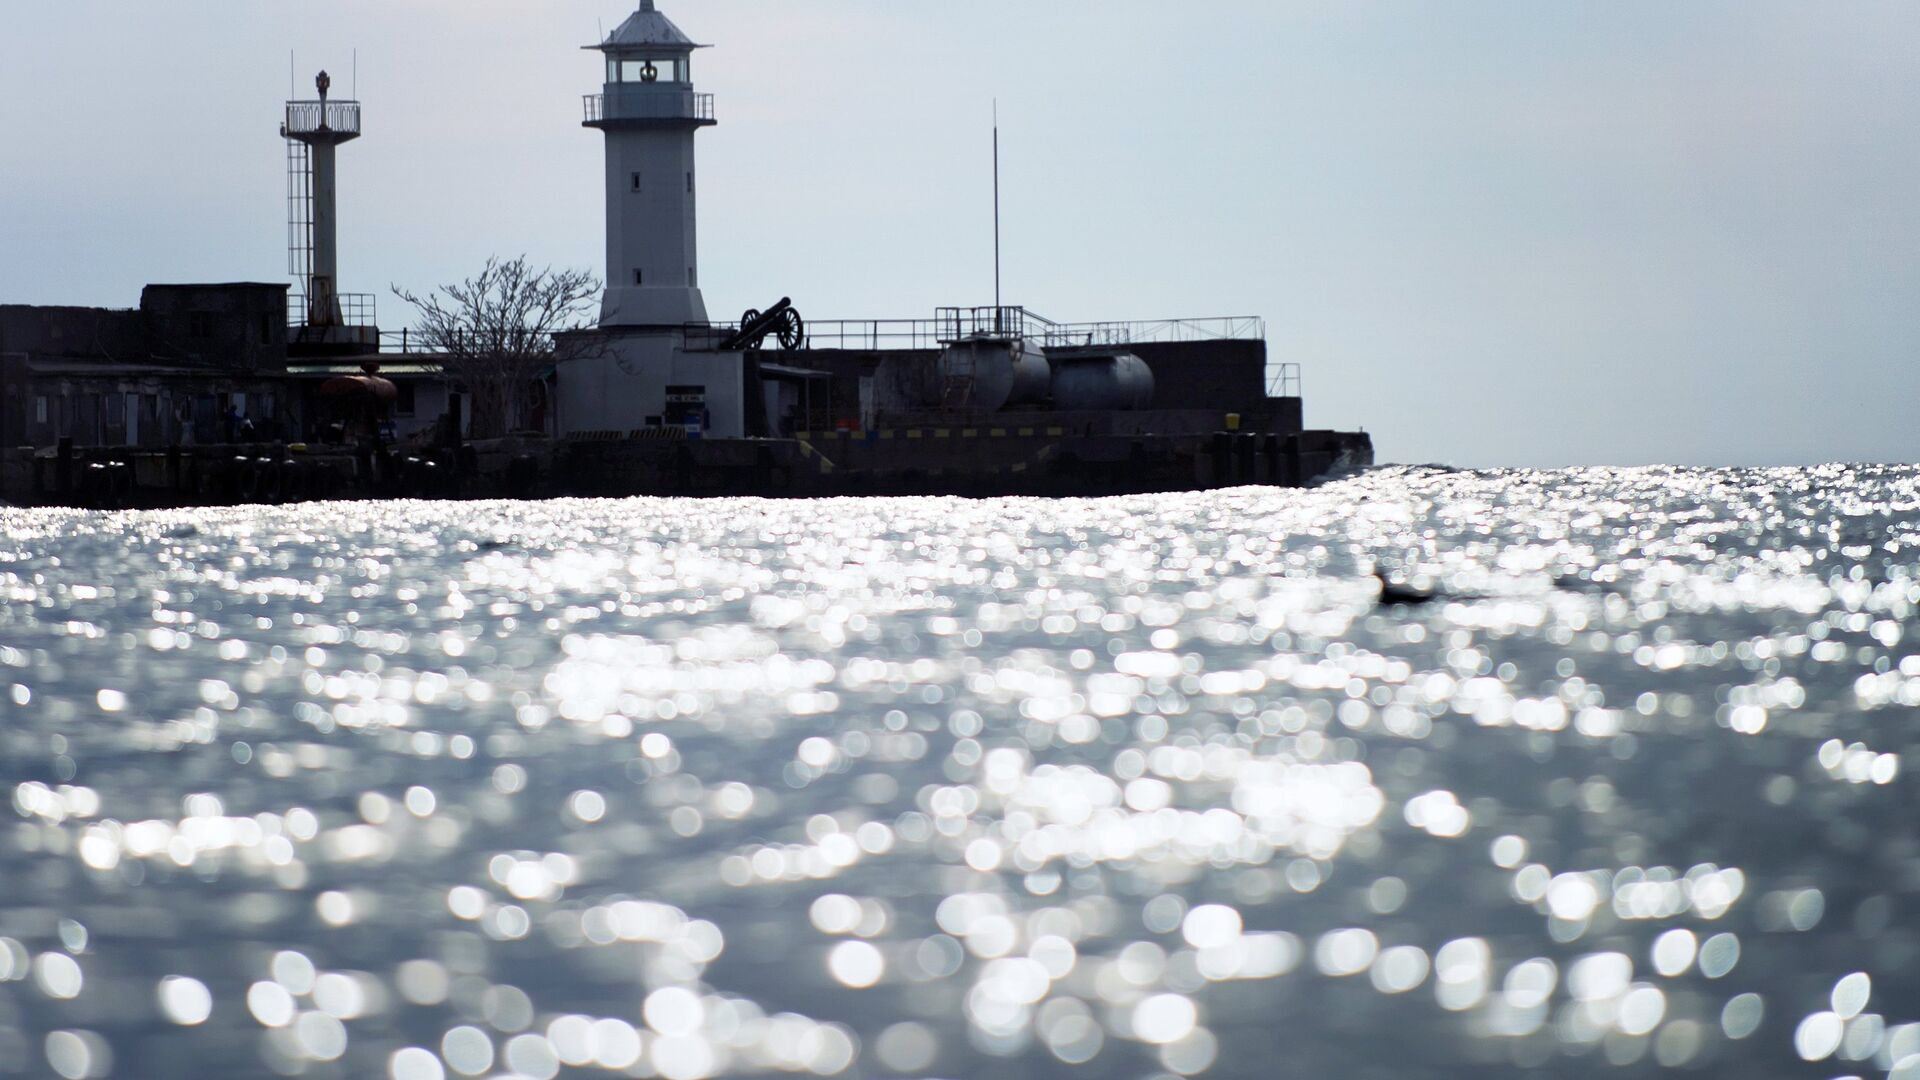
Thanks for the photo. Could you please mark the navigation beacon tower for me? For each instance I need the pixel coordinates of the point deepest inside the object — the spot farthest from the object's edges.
(649, 113)
(321, 316)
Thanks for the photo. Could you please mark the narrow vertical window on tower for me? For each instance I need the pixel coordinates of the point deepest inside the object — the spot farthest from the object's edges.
(638, 277)
(636, 182)
(689, 183)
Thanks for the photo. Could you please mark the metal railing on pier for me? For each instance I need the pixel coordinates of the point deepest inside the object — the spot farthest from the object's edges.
(1283, 379)
(356, 309)
(956, 324)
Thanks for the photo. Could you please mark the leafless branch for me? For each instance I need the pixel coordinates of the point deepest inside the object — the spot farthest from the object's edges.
(494, 333)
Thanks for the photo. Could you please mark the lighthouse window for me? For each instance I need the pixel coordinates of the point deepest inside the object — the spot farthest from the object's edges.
(665, 70)
(638, 278)
(636, 181)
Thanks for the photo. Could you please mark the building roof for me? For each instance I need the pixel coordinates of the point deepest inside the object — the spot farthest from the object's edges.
(219, 285)
(780, 371)
(647, 27)
(384, 363)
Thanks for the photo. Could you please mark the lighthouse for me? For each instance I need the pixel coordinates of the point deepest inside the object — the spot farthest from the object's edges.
(649, 113)
(651, 368)
(323, 319)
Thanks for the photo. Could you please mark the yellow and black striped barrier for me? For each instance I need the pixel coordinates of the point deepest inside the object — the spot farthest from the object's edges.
(890, 434)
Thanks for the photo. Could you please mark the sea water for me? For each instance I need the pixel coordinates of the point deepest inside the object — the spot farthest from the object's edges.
(1149, 786)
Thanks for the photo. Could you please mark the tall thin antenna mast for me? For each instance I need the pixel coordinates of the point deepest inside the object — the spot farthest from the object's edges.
(996, 214)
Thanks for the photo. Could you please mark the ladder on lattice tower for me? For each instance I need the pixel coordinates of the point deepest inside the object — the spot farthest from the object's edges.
(299, 227)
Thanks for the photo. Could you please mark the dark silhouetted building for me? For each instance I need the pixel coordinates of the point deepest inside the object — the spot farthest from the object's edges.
(193, 364)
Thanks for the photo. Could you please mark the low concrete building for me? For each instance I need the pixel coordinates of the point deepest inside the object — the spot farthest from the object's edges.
(627, 382)
(193, 363)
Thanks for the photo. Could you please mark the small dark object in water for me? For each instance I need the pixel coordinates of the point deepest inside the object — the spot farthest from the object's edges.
(1396, 592)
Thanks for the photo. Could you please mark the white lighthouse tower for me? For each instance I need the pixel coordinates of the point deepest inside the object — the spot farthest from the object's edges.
(649, 113)
(653, 367)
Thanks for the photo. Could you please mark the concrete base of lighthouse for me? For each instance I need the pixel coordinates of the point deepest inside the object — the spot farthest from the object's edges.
(614, 383)
(652, 305)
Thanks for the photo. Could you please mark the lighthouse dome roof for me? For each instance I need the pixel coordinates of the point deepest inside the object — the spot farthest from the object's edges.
(648, 27)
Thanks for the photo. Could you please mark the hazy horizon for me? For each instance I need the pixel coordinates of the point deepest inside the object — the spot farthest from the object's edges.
(1507, 234)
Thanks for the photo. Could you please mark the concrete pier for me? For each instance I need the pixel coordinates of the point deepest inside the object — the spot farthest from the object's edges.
(983, 461)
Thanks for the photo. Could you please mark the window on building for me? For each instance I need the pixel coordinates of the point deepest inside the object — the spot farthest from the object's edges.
(200, 324)
(636, 182)
(404, 404)
(639, 278)
(266, 328)
(689, 183)
(40, 408)
(690, 282)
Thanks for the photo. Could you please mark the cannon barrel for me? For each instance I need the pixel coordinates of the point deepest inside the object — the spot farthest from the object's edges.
(756, 325)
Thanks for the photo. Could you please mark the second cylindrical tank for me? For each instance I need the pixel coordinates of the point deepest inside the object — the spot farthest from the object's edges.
(1100, 381)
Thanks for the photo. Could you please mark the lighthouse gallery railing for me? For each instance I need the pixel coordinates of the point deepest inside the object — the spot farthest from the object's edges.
(307, 117)
(649, 106)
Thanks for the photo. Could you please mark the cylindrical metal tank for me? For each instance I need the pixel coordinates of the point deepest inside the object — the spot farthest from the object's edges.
(997, 373)
(1101, 382)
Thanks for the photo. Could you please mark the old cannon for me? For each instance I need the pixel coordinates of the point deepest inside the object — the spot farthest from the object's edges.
(780, 321)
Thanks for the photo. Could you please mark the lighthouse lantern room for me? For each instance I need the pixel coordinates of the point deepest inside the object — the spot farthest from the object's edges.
(649, 112)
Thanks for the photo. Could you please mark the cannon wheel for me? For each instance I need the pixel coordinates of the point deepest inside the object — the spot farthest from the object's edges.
(793, 329)
(747, 320)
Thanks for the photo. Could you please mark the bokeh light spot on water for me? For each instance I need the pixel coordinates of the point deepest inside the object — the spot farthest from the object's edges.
(1851, 993)
(79, 1055)
(1674, 952)
(917, 787)
(856, 964)
(415, 1063)
(185, 1001)
(1819, 1035)
(467, 1050)
(1164, 1018)
(58, 975)
(907, 1047)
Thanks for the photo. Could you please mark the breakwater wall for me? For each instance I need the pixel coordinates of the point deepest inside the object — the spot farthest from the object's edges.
(954, 460)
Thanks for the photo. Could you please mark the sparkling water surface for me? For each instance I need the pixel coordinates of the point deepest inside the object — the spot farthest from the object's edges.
(925, 787)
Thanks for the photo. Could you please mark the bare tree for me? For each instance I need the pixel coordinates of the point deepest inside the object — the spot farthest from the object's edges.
(494, 333)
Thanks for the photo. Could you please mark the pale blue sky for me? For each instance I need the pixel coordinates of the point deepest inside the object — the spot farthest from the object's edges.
(1517, 232)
